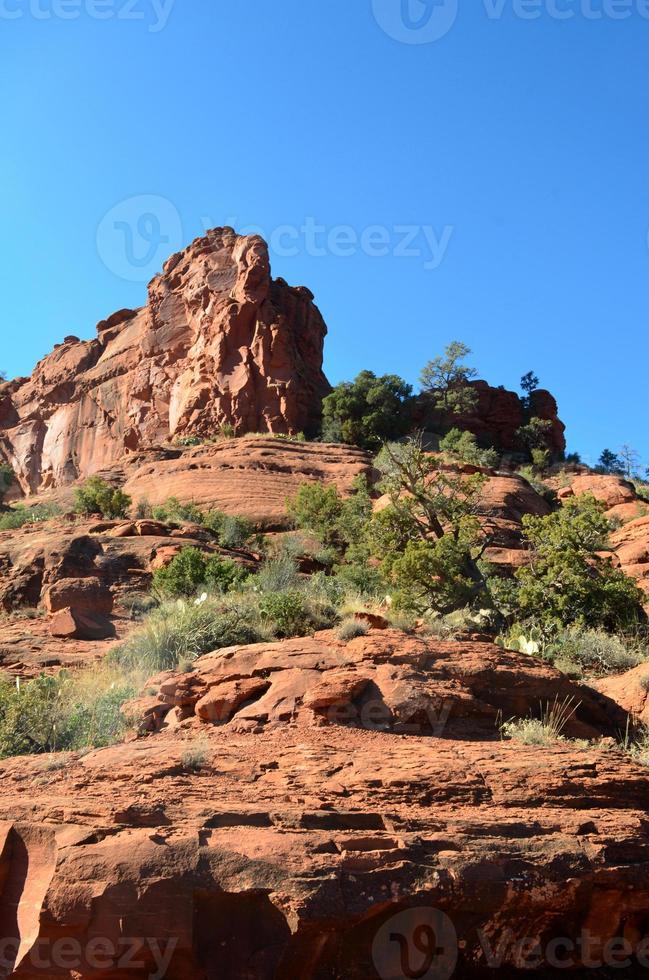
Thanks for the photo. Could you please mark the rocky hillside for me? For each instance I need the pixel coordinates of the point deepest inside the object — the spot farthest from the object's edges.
(236, 756)
(219, 342)
(304, 799)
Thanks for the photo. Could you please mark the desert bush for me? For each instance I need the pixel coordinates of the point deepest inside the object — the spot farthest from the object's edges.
(295, 613)
(188, 441)
(63, 712)
(175, 512)
(338, 523)
(230, 532)
(143, 510)
(549, 728)
(535, 434)
(351, 628)
(595, 651)
(196, 757)
(182, 631)
(540, 459)
(638, 747)
(18, 516)
(361, 579)
(191, 570)
(446, 379)
(96, 496)
(276, 575)
(316, 508)
(642, 490)
(464, 447)
(644, 682)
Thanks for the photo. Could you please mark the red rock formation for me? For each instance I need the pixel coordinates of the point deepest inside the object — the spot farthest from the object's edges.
(283, 843)
(219, 341)
(631, 691)
(631, 540)
(498, 415)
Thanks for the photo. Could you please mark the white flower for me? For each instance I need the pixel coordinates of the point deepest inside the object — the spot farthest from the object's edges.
(201, 599)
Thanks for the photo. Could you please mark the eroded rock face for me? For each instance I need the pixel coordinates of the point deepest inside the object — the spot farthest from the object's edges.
(280, 841)
(218, 342)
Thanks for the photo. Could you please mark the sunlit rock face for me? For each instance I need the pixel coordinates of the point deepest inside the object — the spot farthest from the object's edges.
(218, 342)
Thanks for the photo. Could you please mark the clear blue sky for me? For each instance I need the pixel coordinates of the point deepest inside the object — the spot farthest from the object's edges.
(516, 148)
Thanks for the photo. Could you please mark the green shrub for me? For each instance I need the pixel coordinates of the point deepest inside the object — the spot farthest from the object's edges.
(428, 538)
(464, 447)
(19, 515)
(188, 441)
(446, 380)
(230, 532)
(174, 512)
(180, 632)
(545, 730)
(276, 575)
(63, 712)
(96, 496)
(195, 758)
(191, 569)
(316, 508)
(349, 629)
(294, 613)
(143, 510)
(540, 459)
(362, 580)
(367, 411)
(639, 749)
(595, 651)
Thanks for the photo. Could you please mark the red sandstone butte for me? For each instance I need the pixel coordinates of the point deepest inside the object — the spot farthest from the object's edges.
(218, 342)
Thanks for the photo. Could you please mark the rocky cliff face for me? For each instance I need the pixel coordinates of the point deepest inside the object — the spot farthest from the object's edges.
(219, 341)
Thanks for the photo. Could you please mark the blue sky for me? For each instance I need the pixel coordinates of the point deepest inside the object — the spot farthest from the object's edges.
(472, 169)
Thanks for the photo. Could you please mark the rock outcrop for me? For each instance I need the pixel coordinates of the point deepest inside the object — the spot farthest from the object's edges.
(294, 841)
(219, 342)
(497, 417)
(631, 540)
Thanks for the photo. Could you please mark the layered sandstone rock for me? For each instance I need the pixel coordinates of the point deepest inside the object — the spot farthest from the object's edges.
(288, 839)
(252, 477)
(218, 342)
